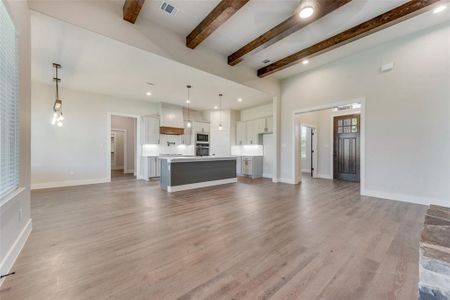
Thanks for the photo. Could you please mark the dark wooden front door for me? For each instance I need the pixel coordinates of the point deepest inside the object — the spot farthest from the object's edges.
(346, 150)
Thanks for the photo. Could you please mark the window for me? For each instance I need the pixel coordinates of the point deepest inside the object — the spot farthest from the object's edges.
(9, 105)
(303, 139)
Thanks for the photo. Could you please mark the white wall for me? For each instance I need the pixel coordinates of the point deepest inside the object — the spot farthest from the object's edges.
(128, 124)
(15, 217)
(257, 112)
(77, 152)
(407, 113)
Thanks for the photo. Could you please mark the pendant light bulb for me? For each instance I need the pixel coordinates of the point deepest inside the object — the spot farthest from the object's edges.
(220, 127)
(189, 124)
(188, 101)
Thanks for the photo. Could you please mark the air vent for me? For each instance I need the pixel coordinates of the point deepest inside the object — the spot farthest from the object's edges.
(169, 9)
(266, 61)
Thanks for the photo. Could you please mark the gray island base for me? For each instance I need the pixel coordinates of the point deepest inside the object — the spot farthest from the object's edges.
(185, 173)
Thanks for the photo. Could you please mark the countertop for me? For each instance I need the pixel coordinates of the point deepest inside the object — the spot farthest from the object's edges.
(176, 159)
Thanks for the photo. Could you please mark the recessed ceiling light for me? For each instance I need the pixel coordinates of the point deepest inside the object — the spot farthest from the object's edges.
(216, 107)
(188, 101)
(305, 62)
(440, 8)
(239, 99)
(149, 93)
(306, 12)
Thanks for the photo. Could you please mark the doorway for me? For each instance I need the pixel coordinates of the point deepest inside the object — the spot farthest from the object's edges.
(346, 147)
(329, 143)
(308, 153)
(123, 150)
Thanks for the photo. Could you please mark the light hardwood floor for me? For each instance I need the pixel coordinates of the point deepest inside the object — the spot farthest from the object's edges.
(250, 240)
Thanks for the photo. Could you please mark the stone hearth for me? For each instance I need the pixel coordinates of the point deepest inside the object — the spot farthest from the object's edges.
(435, 255)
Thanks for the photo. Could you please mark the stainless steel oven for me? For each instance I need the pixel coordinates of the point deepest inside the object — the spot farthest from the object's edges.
(201, 138)
(202, 149)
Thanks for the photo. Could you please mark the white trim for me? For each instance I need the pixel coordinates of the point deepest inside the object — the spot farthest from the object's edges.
(56, 184)
(362, 101)
(11, 195)
(191, 186)
(286, 180)
(407, 198)
(10, 257)
(325, 176)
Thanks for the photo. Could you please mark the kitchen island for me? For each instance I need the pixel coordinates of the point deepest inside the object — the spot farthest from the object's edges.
(185, 173)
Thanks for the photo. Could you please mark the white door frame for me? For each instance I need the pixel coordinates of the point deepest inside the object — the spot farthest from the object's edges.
(313, 147)
(362, 101)
(137, 159)
(125, 148)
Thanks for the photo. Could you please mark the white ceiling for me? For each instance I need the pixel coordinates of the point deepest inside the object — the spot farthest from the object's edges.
(258, 16)
(92, 62)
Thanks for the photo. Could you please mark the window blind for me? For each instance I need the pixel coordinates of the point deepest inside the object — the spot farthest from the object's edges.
(9, 105)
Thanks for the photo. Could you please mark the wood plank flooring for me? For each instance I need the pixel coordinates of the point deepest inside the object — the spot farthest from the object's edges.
(250, 240)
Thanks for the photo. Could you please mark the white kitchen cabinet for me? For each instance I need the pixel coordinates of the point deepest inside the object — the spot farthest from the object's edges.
(241, 134)
(202, 127)
(149, 130)
(254, 128)
(269, 124)
(252, 166)
(186, 139)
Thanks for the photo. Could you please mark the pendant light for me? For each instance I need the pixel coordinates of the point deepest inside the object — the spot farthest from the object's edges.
(188, 101)
(57, 106)
(220, 107)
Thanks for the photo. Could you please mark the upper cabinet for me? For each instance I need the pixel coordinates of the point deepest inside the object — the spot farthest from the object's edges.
(241, 134)
(149, 130)
(202, 127)
(247, 132)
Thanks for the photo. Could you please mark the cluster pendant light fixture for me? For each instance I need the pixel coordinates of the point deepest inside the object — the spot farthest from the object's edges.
(221, 112)
(58, 117)
(188, 101)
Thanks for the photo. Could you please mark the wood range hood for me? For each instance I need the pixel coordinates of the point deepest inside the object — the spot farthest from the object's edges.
(171, 130)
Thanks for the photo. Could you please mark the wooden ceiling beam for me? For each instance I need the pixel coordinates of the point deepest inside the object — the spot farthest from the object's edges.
(131, 9)
(219, 15)
(387, 19)
(285, 28)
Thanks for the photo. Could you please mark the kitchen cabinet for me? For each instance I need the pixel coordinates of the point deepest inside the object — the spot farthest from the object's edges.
(187, 137)
(149, 130)
(254, 128)
(202, 127)
(241, 134)
(171, 115)
(252, 166)
(269, 125)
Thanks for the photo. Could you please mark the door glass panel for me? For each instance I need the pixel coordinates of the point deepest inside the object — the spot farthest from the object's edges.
(339, 129)
(347, 122)
(354, 129)
(354, 121)
(339, 122)
(347, 129)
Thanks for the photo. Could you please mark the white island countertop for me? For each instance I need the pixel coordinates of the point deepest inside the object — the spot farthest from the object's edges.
(176, 159)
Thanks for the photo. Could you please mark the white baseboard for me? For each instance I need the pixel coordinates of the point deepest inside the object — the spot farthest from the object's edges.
(12, 254)
(117, 168)
(406, 198)
(56, 184)
(191, 186)
(286, 180)
(324, 176)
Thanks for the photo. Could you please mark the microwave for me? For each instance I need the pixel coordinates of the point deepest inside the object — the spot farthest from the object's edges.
(202, 138)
